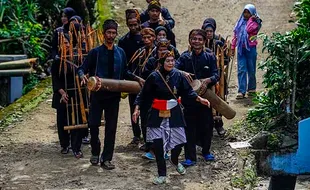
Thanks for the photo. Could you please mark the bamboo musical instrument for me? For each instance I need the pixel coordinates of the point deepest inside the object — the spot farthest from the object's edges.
(83, 113)
(222, 79)
(72, 112)
(95, 84)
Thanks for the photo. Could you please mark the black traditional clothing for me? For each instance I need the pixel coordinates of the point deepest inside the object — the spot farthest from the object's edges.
(165, 133)
(199, 118)
(130, 44)
(104, 63)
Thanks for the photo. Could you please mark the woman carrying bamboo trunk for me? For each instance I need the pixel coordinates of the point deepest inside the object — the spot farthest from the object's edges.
(165, 124)
(245, 40)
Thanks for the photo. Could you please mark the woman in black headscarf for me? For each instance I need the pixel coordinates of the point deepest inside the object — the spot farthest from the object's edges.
(165, 124)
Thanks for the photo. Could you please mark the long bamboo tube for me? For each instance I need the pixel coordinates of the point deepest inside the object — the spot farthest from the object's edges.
(95, 83)
(15, 72)
(222, 79)
(19, 64)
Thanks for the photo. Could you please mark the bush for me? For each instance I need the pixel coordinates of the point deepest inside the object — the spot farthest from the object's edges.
(287, 79)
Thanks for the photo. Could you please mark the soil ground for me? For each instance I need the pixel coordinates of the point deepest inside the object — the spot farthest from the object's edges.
(29, 150)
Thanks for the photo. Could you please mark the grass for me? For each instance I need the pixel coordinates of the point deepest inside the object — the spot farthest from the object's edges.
(15, 111)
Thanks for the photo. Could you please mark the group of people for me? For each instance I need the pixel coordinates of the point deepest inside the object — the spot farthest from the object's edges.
(171, 114)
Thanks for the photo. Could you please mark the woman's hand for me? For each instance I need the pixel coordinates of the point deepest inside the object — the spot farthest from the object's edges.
(203, 101)
(136, 114)
(64, 96)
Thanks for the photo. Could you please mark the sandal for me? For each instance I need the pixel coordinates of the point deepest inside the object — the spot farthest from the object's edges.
(148, 156)
(94, 160)
(78, 154)
(65, 150)
(251, 93)
(188, 163)
(160, 180)
(209, 157)
(218, 125)
(181, 169)
(107, 165)
(240, 96)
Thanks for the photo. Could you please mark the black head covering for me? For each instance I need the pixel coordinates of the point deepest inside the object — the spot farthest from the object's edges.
(208, 22)
(69, 12)
(160, 28)
(109, 24)
(154, 5)
(132, 13)
(76, 17)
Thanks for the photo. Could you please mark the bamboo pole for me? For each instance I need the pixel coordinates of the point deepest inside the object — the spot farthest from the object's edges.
(95, 84)
(19, 64)
(222, 79)
(15, 72)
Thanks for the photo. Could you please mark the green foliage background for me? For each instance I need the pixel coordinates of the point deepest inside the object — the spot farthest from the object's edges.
(286, 99)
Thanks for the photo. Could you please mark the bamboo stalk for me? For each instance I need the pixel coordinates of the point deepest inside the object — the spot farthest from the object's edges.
(15, 72)
(133, 87)
(222, 79)
(72, 112)
(82, 107)
(19, 64)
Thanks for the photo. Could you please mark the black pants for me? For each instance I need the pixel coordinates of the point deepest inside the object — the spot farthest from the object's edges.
(64, 136)
(199, 130)
(110, 107)
(158, 148)
(135, 126)
(143, 116)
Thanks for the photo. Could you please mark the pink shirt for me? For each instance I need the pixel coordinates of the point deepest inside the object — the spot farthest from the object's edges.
(252, 28)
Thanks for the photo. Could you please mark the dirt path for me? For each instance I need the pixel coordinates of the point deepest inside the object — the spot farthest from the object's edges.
(29, 150)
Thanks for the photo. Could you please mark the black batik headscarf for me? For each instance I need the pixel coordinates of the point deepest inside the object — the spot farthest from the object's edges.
(209, 22)
(69, 12)
(162, 60)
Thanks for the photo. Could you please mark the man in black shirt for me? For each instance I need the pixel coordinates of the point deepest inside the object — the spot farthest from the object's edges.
(164, 13)
(154, 11)
(105, 61)
(131, 42)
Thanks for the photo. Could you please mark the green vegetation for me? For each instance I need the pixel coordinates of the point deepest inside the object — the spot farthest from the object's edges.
(26, 103)
(287, 80)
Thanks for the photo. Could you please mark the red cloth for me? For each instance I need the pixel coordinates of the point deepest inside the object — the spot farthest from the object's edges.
(165, 104)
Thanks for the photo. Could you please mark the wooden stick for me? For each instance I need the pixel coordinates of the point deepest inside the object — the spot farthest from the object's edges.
(72, 112)
(222, 79)
(72, 127)
(82, 107)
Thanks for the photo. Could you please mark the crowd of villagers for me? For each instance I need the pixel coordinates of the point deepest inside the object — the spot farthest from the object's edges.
(167, 114)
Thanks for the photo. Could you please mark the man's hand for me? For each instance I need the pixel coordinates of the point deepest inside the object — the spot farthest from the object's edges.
(203, 101)
(136, 114)
(140, 80)
(64, 96)
(232, 52)
(188, 76)
(162, 22)
(205, 82)
(84, 80)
